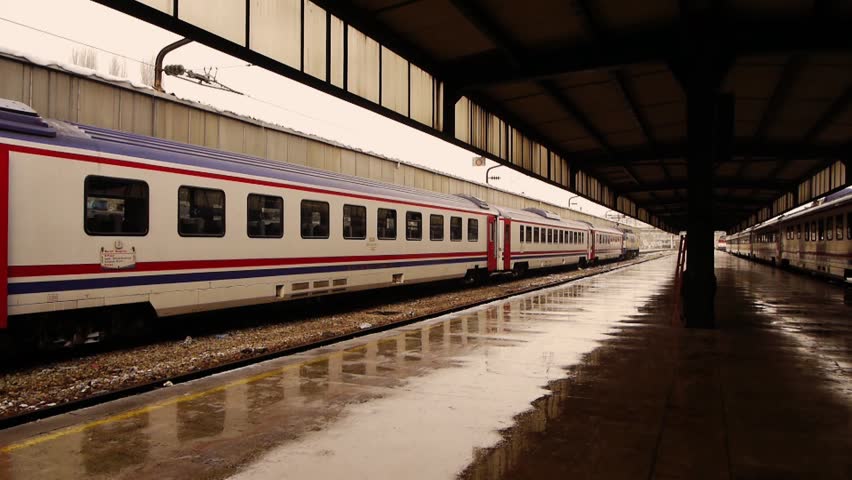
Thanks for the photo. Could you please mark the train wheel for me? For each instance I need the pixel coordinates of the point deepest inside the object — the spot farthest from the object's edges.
(472, 277)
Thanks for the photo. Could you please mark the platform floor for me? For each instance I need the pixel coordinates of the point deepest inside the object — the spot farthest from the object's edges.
(584, 381)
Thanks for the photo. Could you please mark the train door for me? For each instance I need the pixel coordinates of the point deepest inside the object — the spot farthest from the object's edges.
(492, 247)
(778, 246)
(592, 237)
(507, 244)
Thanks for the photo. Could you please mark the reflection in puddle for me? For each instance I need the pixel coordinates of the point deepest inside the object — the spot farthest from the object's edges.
(425, 396)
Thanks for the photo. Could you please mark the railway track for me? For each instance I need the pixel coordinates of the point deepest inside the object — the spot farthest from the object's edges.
(507, 288)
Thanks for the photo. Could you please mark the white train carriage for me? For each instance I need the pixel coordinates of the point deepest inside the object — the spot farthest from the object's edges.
(740, 243)
(607, 244)
(816, 239)
(765, 242)
(540, 239)
(99, 218)
(819, 239)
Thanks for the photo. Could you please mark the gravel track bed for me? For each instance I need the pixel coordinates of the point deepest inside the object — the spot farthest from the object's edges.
(49, 384)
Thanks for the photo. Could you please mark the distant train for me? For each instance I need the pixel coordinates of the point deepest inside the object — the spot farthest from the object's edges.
(102, 220)
(722, 244)
(816, 239)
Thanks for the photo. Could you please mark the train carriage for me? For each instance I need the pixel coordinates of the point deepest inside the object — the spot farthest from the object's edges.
(739, 243)
(607, 244)
(102, 218)
(99, 219)
(816, 239)
(541, 239)
(765, 244)
(819, 238)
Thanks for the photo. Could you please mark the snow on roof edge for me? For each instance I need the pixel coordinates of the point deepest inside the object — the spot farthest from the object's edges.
(120, 82)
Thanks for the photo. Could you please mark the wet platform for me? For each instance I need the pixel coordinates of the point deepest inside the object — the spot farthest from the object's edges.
(588, 380)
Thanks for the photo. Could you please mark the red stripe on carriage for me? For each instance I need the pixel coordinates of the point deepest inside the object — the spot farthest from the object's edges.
(91, 268)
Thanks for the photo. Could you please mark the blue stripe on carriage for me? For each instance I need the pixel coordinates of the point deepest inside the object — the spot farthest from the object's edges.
(116, 282)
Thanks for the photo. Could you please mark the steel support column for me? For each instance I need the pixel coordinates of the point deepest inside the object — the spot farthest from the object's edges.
(701, 67)
(700, 279)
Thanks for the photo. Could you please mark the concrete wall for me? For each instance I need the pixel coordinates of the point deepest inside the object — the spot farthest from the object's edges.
(61, 95)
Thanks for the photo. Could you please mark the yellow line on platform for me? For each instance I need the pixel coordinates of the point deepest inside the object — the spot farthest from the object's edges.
(139, 411)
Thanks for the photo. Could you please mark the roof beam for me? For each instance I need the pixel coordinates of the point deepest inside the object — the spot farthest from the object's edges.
(820, 33)
(780, 94)
(733, 183)
(840, 105)
(596, 31)
(514, 54)
(789, 151)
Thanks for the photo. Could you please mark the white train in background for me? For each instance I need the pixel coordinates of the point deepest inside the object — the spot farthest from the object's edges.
(98, 219)
(816, 239)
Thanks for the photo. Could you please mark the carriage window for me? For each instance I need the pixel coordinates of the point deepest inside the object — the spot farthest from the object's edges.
(455, 229)
(265, 216)
(315, 221)
(561, 236)
(413, 226)
(436, 227)
(201, 212)
(522, 233)
(386, 224)
(535, 235)
(529, 235)
(807, 232)
(354, 222)
(813, 232)
(829, 228)
(839, 226)
(473, 230)
(849, 226)
(549, 235)
(116, 206)
(799, 231)
(821, 230)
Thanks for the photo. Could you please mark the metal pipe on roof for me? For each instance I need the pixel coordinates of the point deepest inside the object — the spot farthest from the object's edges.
(158, 64)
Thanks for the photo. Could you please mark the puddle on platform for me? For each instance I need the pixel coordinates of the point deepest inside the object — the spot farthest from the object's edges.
(415, 402)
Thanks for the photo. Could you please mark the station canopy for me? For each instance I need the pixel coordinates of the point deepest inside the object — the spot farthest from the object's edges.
(586, 95)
